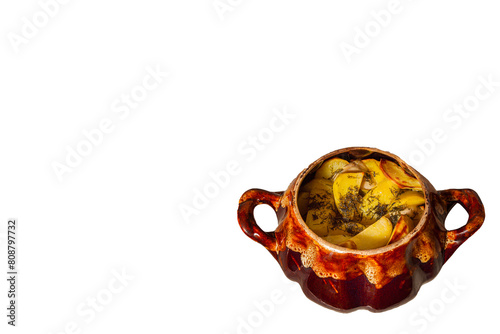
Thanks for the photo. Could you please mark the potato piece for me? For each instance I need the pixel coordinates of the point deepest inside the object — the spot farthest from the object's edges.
(397, 174)
(409, 198)
(376, 173)
(321, 199)
(352, 228)
(318, 220)
(330, 167)
(374, 236)
(401, 229)
(337, 239)
(321, 209)
(318, 196)
(318, 184)
(346, 194)
(348, 228)
(376, 202)
(337, 231)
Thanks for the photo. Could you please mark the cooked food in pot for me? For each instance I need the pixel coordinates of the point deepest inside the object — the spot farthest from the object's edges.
(361, 204)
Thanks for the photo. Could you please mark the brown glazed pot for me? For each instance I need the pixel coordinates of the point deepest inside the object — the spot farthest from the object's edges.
(344, 279)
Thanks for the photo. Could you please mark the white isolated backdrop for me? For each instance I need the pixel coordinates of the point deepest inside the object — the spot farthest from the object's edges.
(104, 247)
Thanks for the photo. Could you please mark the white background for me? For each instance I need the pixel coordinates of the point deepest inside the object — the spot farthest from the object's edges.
(119, 209)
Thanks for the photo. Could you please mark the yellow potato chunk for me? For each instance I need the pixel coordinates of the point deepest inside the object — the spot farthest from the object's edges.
(409, 198)
(317, 184)
(320, 198)
(317, 220)
(321, 211)
(346, 194)
(337, 239)
(377, 201)
(330, 167)
(374, 236)
(348, 228)
(375, 174)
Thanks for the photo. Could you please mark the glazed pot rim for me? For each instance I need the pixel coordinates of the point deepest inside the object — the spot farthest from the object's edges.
(339, 249)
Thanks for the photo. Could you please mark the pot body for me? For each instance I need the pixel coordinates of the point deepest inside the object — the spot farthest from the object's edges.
(343, 279)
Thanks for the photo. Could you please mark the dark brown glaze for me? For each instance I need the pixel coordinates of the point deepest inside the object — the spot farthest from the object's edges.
(343, 279)
(248, 201)
(471, 202)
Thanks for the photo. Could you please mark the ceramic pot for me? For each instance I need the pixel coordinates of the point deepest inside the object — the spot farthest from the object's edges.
(345, 279)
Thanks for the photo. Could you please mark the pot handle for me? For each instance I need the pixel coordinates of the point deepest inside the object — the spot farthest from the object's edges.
(248, 201)
(471, 202)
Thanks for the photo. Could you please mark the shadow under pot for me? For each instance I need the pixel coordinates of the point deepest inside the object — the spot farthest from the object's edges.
(338, 254)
